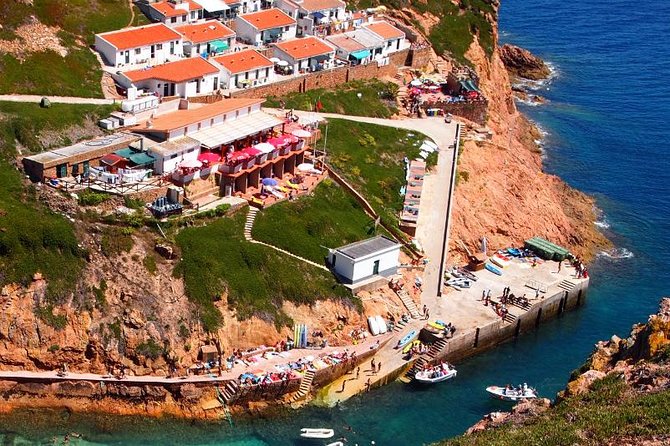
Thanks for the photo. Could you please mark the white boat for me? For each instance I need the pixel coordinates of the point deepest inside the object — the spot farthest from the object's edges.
(307, 432)
(512, 393)
(336, 443)
(436, 374)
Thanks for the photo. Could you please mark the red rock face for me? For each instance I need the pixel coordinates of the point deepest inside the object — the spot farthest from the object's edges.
(521, 62)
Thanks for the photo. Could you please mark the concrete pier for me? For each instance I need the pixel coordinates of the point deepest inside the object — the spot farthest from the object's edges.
(478, 326)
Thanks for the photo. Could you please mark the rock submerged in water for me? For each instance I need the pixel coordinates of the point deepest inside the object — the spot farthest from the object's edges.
(522, 63)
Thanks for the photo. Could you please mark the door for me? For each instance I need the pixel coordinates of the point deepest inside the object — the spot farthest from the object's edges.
(166, 89)
(216, 83)
(127, 57)
(61, 170)
(375, 268)
(172, 89)
(75, 170)
(153, 51)
(86, 168)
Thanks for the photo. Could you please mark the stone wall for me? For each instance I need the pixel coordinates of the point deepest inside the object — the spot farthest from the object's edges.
(472, 111)
(420, 57)
(327, 79)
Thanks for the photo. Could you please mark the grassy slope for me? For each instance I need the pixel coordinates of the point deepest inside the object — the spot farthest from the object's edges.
(216, 258)
(370, 157)
(609, 411)
(328, 217)
(77, 74)
(32, 238)
(374, 99)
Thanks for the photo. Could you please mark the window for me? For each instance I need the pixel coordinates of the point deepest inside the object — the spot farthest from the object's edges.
(267, 72)
(257, 71)
(173, 20)
(158, 86)
(159, 46)
(171, 47)
(138, 50)
(286, 28)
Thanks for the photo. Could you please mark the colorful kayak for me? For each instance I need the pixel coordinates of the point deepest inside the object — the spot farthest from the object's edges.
(499, 261)
(411, 345)
(494, 269)
(406, 339)
(437, 324)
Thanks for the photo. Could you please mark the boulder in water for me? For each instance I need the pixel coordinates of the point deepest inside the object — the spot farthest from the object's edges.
(522, 63)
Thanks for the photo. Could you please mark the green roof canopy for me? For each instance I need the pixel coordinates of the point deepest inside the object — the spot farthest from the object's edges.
(360, 54)
(141, 159)
(218, 45)
(125, 153)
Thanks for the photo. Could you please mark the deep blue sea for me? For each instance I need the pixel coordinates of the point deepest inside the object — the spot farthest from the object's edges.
(607, 134)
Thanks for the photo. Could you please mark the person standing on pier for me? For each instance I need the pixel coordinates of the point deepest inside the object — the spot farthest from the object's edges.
(372, 364)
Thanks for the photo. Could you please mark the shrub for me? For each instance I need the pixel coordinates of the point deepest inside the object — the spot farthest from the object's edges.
(46, 314)
(54, 348)
(150, 349)
(150, 263)
(91, 198)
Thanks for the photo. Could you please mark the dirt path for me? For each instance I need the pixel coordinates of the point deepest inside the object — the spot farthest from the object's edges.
(55, 99)
(132, 13)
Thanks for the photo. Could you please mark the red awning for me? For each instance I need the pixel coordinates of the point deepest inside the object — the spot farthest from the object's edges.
(112, 159)
(209, 157)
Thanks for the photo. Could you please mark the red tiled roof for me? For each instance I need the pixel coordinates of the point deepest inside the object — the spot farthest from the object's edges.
(140, 36)
(385, 30)
(268, 19)
(243, 61)
(205, 31)
(182, 118)
(345, 42)
(320, 5)
(179, 71)
(305, 47)
(168, 9)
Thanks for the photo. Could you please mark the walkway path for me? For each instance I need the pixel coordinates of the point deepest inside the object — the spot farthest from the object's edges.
(56, 99)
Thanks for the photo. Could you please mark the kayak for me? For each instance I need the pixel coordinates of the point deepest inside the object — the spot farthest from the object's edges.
(499, 261)
(307, 432)
(381, 325)
(436, 374)
(513, 393)
(437, 324)
(406, 339)
(410, 346)
(467, 274)
(493, 269)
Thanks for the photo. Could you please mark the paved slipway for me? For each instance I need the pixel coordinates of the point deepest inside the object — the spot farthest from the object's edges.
(55, 99)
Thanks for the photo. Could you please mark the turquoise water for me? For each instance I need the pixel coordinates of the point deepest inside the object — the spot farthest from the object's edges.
(606, 135)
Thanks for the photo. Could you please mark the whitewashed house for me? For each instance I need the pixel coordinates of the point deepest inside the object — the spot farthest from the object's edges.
(305, 54)
(357, 47)
(175, 12)
(168, 154)
(143, 45)
(264, 27)
(184, 78)
(363, 260)
(315, 16)
(393, 38)
(245, 68)
(206, 38)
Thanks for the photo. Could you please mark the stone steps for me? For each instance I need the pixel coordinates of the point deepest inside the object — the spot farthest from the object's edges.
(249, 224)
(437, 348)
(567, 285)
(407, 301)
(305, 386)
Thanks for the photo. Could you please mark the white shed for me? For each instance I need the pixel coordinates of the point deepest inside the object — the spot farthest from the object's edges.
(359, 261)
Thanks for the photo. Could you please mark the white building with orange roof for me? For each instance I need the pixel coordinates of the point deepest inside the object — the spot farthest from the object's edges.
(184, 78)
(305, 54)
(175, 12)
(245, 68)
(394, 38)
(143, 45)
(265, 27)
(206, 38)
(357, 47)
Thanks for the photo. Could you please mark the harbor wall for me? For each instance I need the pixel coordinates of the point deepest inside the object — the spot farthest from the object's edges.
(490, 335)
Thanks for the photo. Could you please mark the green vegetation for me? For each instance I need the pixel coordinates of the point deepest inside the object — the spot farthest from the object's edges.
(607, 412)
(370, 157)
(32, 238)
(46, 314)
(89, 197)
(328, 217)
(257, 279)
(150, 349)
(76, 74)
(149, 263)
(377, 99)
(115, 241)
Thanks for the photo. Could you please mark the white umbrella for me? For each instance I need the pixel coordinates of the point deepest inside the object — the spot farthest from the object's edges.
(265, 147)
(274, 59)
(300, 133)
(416, 83)
(305, 167)
(282, 63)
(190, 164)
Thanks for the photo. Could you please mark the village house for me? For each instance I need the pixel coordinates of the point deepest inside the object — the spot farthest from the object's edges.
(144, 45)
(357, 47)
(394, 39)
(365, 260)
(206, 38)
(184, 78)
(175, 12)
(305, 54)
(76, 159)
(246, 68)
(264, 27)
(315, 17)
(229, 9)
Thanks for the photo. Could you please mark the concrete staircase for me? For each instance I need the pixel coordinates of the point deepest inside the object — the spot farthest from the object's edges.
(249, 224)
(229, 393)
(437, 348)
(305, 385)
(407, 301)
(399, 325)
(567, 285)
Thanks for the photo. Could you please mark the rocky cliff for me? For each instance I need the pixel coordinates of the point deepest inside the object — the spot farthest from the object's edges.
(522, 63)
(619, 396)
